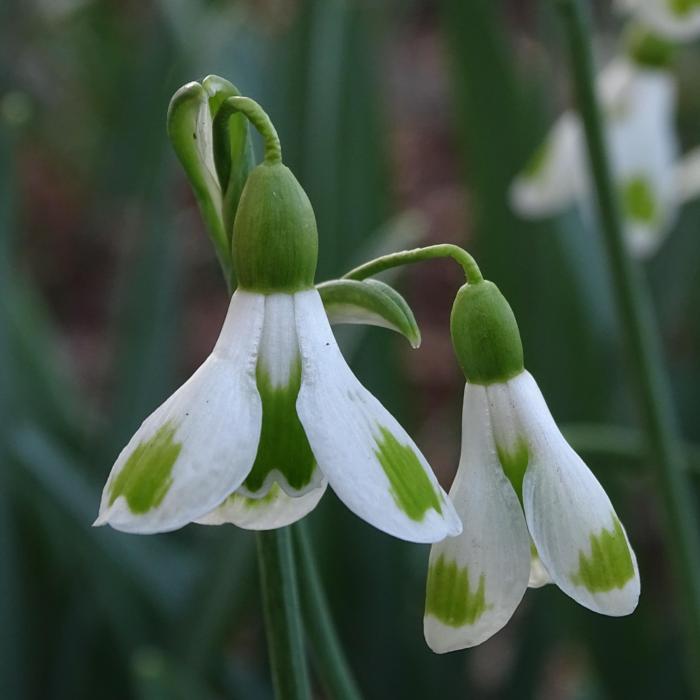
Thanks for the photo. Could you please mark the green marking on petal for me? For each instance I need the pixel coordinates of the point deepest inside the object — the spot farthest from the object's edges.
(283, 443)
(411, 488)
(145, 477)
(681, 8)
(449, 597)
(514, 463)
(638, 199)
(253, 503)
(609, 564)
(535, 166)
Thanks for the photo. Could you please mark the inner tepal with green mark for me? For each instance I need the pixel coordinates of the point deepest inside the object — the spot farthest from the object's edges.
(514, 463)
(145, 478)
(638, 199)
(283, 443)
(449, 596)
(609, 564)
(411, 488)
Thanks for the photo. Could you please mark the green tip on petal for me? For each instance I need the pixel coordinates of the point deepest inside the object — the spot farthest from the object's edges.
(145, 478)
(411, 488)
(609, 564)
(485, 335)
(648, 49)
(638, 200)
(449, 596)
(369, 302)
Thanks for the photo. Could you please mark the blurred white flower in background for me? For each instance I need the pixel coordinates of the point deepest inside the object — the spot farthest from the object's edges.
(678, 20)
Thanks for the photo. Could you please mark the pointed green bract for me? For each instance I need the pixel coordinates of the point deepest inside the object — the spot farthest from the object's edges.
(283, 443)
(371, 302)
(609, 564)
(146, 476)
(638, 200)
(449, 597)
(514, 463)
(411, 488)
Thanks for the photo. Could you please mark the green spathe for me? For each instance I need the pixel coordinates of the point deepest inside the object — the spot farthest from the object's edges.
(449, 597)
(485, 334)
(283, 443)
(146, 475)
(609, 564)
(275, 243)
(514, 463)
(411, 488)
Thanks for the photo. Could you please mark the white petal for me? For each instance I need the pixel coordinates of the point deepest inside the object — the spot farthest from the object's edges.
(368, 458)
(538, 574)
(556, 176)
(199, 445)
(284, 457)
(687, 176)
(275, 509)
(476, 580)
(581, 542)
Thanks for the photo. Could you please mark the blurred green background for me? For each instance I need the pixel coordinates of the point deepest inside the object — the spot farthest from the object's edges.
(405, 122)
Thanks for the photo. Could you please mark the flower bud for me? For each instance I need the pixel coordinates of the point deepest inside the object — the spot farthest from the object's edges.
(485, 334)
(275, 243)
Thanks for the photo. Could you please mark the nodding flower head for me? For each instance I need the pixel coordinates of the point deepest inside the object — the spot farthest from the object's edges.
(274, 414)
(532, 510)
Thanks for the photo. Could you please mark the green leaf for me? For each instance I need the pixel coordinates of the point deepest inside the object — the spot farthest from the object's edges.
(369, 302)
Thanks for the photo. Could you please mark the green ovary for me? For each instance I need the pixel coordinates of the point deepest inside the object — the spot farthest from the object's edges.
(683, 7)
(610, 563)
(449, 597)
(638, 200)
(146, 476)
(283, 443)
(411, 488)
(514, 463)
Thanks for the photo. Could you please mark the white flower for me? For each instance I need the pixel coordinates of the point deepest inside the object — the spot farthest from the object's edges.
(255, 435)
(532, 511)
(638, 105)
(678, 20)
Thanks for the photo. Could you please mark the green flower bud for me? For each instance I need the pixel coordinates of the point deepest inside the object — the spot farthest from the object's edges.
(485, 334)
(275, 243)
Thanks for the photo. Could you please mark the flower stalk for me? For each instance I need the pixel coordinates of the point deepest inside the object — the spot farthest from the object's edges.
(407, 257)
(654, 394)
(282, 615)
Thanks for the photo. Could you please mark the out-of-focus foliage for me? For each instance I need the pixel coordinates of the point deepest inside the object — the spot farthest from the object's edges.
(110, 295)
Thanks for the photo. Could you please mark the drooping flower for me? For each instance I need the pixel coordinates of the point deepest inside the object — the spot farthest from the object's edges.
(678, 20)
(274, 414)
(638, 103)
(532, 511)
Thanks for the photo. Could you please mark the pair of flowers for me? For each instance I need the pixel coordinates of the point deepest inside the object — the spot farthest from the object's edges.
(275, 414)
(637, 93)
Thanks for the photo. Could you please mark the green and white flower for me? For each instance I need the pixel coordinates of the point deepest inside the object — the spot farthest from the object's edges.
(275, 414)
(678, 20)
(639, 108)
(532, 511)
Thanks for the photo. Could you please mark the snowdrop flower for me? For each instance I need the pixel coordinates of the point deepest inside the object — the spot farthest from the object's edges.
(639, 109)
(532, 511)
(677, 20)
(274, 414)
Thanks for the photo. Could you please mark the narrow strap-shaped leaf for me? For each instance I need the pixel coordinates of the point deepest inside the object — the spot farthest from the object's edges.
(369, 302)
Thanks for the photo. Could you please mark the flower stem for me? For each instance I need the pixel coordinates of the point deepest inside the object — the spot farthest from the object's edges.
(261, 121)
(406, 257)
(282, 616)
(332, 665)
(643, 345)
